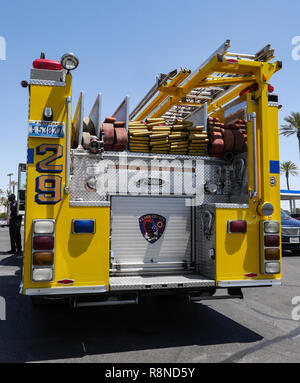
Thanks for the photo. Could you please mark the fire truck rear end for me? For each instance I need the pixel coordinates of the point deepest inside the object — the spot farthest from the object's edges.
(178, 196)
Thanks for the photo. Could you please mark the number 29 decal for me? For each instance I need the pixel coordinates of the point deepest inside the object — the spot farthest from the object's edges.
(48, 186)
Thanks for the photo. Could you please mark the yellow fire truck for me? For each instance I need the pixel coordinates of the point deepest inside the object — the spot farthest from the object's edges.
(178, 196)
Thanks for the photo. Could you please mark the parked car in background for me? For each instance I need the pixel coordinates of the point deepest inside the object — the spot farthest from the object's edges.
(296, 216)
(290, 232)
(3, 222)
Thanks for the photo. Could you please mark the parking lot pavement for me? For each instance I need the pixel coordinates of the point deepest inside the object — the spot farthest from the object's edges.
(258, 328)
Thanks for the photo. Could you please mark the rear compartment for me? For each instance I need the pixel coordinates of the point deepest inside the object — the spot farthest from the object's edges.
(162, 236)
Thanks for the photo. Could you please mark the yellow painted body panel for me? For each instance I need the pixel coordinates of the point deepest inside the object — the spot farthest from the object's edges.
(240, 254)
(80, 257)
(237, 254)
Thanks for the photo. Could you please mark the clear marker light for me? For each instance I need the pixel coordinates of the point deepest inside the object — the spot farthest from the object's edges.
(271, 227)
(69, 61)
(272, 267)
(43, 227)
(42, 275)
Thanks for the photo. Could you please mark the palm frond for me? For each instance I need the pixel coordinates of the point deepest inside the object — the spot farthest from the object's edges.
(287, 130)
(289, 168)
(293, 125)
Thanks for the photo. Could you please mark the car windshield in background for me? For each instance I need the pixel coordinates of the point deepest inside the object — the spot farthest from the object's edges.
(285, 215)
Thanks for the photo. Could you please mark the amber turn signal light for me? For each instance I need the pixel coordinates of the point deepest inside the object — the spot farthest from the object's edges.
(43, 258)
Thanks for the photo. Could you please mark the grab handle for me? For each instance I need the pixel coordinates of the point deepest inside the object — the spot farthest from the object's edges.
(252, 117)
(68, 133)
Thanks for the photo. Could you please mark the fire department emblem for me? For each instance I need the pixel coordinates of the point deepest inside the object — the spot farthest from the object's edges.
(152, 226)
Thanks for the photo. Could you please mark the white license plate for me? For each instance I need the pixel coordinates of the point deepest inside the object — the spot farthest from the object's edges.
(294, 239)
(46, 129)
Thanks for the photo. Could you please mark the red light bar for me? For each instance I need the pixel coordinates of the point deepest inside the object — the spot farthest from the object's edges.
(43, 243)
(231, 60)
(237, 226)
(251, 88)
(47, 64)
(271, 240)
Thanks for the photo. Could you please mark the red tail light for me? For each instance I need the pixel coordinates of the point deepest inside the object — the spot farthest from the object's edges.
(251, 275)
(270, 88)
(47, 64)
(66, 281)
(271, 240)
(237, 226)
(43, 243)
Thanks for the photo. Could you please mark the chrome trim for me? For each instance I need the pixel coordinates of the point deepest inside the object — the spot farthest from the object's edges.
(67, 290)
(89, 203)
(228, 205)
(250, 282)
(37, 251)
(81, 113)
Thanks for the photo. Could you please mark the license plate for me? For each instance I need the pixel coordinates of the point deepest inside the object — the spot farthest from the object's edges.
(46, 129)
(294, 239)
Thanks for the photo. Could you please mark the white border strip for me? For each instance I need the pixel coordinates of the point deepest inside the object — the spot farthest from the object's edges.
(250, 283)
(67, 290)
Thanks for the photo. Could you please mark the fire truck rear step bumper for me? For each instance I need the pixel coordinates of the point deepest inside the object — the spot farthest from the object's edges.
(142, 282)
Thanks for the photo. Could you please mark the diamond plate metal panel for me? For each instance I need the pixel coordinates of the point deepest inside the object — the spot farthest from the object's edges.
(160, 282)
(47, 83)
(94, 179)
(238, 189)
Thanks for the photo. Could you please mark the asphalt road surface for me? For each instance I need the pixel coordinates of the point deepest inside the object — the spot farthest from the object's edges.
(259, 328)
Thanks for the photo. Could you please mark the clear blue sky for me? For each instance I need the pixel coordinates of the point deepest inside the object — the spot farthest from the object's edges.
(123, 44)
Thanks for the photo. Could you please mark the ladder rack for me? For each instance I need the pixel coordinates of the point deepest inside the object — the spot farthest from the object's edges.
(181, 92)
